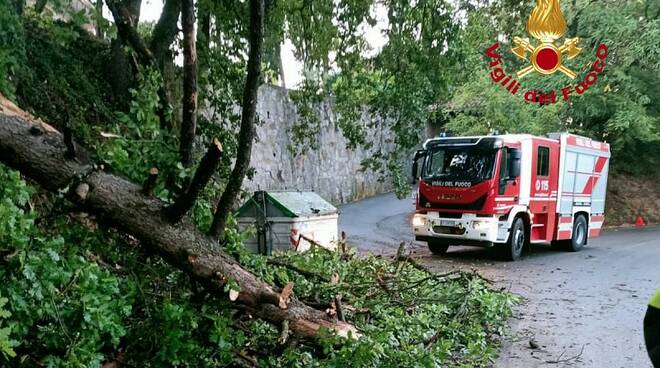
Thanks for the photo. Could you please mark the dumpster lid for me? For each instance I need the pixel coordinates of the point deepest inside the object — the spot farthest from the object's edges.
(292, 204)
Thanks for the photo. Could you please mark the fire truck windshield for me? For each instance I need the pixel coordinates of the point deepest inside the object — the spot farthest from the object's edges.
(459, 164)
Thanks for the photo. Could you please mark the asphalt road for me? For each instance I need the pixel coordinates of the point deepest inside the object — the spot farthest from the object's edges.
(581, 309)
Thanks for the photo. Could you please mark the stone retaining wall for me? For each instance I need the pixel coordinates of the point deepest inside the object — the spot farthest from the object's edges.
(333, 171)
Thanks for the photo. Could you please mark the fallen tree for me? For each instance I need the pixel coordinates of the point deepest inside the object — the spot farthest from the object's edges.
(58, 164)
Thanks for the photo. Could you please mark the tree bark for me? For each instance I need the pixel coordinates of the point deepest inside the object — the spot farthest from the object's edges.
(38, 151)
(120, 74)
(248, 117)
(189, 103)
(150, 183)
(134, 7)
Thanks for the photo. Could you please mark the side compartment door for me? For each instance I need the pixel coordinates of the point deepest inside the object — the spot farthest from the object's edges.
(543, 191)
(565, 208)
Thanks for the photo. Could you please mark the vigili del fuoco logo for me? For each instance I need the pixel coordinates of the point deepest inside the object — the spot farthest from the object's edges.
(547, 25)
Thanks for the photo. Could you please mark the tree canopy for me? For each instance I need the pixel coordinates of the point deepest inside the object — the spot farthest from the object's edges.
(432, 72)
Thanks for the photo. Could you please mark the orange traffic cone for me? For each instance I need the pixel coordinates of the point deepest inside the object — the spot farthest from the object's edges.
(640, 221)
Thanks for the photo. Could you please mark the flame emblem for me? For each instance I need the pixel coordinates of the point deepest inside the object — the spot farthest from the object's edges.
(546, 24)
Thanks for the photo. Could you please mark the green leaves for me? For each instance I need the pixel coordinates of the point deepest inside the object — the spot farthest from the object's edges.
(398, 309)
(12, 51)
(139, 143)
(6, 343)
(58, 296)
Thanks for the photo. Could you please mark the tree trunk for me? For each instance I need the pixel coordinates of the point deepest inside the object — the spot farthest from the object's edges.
(248, 117)
(38, 151)
(189, 103)
(165, 30)
(119, 74)
(126, 15)
(127, 30)
(134, 7)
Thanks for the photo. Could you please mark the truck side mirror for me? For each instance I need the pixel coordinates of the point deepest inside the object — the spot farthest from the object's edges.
(514, 165)
(415, 166)
(414, 172)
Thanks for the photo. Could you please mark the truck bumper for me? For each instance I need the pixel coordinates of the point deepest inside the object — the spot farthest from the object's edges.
(466, 230)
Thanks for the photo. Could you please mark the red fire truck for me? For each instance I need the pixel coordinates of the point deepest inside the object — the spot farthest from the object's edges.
(510, 191)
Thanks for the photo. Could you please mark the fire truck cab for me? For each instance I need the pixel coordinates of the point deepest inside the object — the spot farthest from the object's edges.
(510, 191)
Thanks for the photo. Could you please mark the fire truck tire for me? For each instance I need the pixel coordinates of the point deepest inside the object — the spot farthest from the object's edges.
(437, 248)
(580, 231)
(512, 250)
(578, 239)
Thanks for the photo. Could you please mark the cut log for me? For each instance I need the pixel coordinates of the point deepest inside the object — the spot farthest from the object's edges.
(38, 151)
(285, 295)
(150, 183)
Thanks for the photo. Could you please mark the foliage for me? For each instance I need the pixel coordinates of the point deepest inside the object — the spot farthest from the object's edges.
(408, 317)
(12, 52)
(64, 305)
(305, 131)
(80, 295)
(61, 78)
(433, 72)
(6, 343)
(617, 109)
(138, 143)
(224, 79)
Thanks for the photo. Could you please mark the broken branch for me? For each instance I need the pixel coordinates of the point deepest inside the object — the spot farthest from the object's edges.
(340, 313)
(308, 274)
(150, 183)
(68, 141)
(205, 171)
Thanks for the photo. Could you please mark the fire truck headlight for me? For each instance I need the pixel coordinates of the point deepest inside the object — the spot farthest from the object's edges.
(418, 220)
(480, 225)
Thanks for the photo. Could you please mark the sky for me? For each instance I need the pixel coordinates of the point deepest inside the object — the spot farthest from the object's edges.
(293, 68)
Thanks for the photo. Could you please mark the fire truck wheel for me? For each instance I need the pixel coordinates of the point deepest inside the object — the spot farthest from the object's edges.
(579, 238)
(437, 248)
(512, 250)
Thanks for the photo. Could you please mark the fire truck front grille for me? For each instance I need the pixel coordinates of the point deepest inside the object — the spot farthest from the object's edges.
(476, 205)
(454, 215)
(448, 230)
